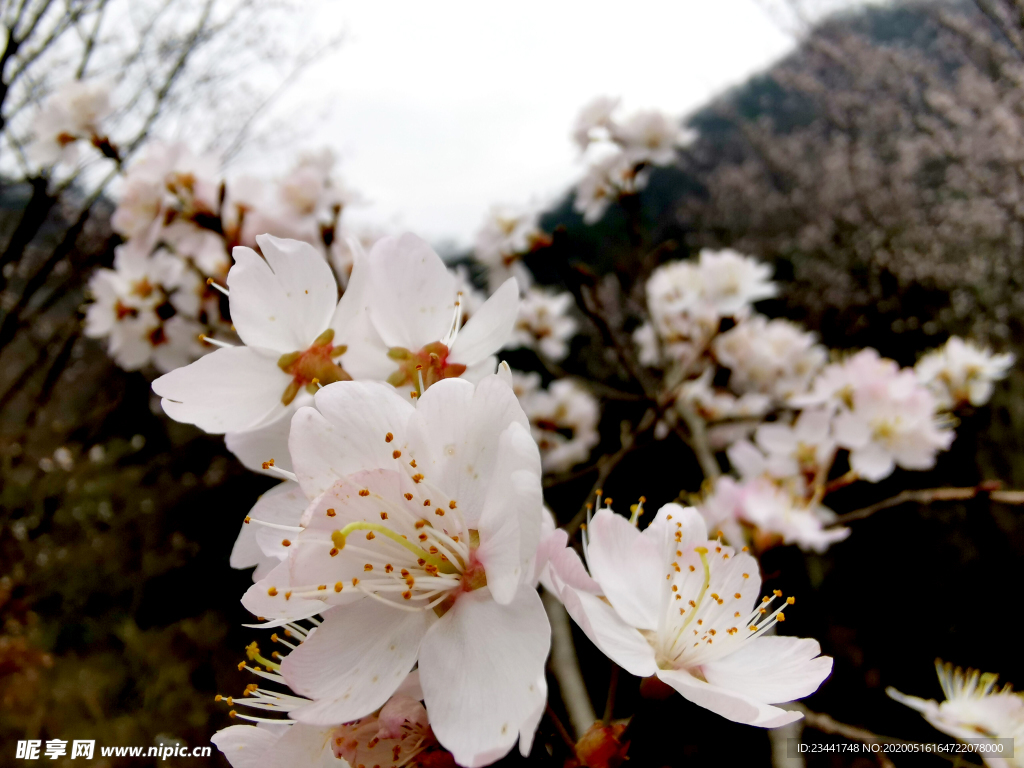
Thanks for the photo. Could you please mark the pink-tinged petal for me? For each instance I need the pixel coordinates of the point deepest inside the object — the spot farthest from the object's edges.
(872, 462)
(771, 669)
(630, 568)
(354, 661)
(615, 638)
(567, 570)
(245, 746)
(729, 704)
(229, 390)
(283, 504)
(464, 426)
(348, 434)
(413, 294)
(479, 667)
(285, 301)
(398, 711)
(256, 446)
(490, 327)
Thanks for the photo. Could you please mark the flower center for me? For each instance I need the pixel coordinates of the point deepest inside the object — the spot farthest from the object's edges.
(423, 368)
(314, 367)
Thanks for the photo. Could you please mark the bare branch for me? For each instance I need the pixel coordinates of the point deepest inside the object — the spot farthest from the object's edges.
(930, 495)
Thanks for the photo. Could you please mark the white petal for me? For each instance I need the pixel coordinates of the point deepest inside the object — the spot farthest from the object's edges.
(463, 426)
(508, 527)
(772, 669)
(348, 434)
(366, 356)
(413, 298)
(229, 390)
(354, 661)
(615, 638)
(277, 608)
(675, 517)
(245, 746)
(270, 441)
(630, 568)
(851, 431)
(306, 745)
(529, 727)
(282, 504)
(729, 704)
(284, 302)
(490, 327)
(479, 667)
(872, 462)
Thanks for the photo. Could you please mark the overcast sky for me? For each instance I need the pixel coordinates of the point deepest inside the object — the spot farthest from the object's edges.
(440, 109)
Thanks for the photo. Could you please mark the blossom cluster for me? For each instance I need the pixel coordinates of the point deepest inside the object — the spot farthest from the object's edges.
(785, 410)
(623, 151)
(398, 562)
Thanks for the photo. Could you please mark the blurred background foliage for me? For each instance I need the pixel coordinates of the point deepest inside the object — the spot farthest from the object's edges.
(879, 168)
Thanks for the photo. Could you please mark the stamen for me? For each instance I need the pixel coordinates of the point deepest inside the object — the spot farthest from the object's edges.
(210, 340)
(217, 286)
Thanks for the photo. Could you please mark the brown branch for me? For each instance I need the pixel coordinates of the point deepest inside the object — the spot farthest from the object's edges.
(929, 495)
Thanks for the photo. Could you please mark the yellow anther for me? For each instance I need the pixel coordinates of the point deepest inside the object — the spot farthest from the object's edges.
(790, 600)
(388, 437)
(338, 587)
(272, 591)
(364, 492)
(331, 513)
(396, 454)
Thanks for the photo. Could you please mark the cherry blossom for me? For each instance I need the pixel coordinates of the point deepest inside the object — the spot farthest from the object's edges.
(544, 323)
(418, 544)
(285, 309)
(671, 603)
(144, 307)
(73, 113)
(506, 235)
(563, 419)
(961, 373)
(415, 307)
(885, 417)
(398, 734)
(975, 707)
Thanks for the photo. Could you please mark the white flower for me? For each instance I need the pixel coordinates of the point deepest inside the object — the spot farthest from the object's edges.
(686, 300)
(544, 323)
(730, 282)
(886, 418)
(145, 308)
(415, 307)
(961, 372)
(774, 357)
(602, 184)
(167, 183)
(806, 447)
(396, 735)
(649, 136)
(974, 708)
(418, 545)
(671, 603)
(595, 117)
(563, 419)
(259, 544)
(505, 236)
(776, 514)
(285, 309)
(713, 404)
(73, 113)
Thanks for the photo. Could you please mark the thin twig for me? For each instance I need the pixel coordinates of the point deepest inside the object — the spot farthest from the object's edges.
(560, 727)
(698, 440)
(566, 668)
(929, 495)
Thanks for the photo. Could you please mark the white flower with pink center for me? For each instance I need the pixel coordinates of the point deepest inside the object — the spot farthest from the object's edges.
(297, 336)
(671, 603)
(418, 545)
(416, 309)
